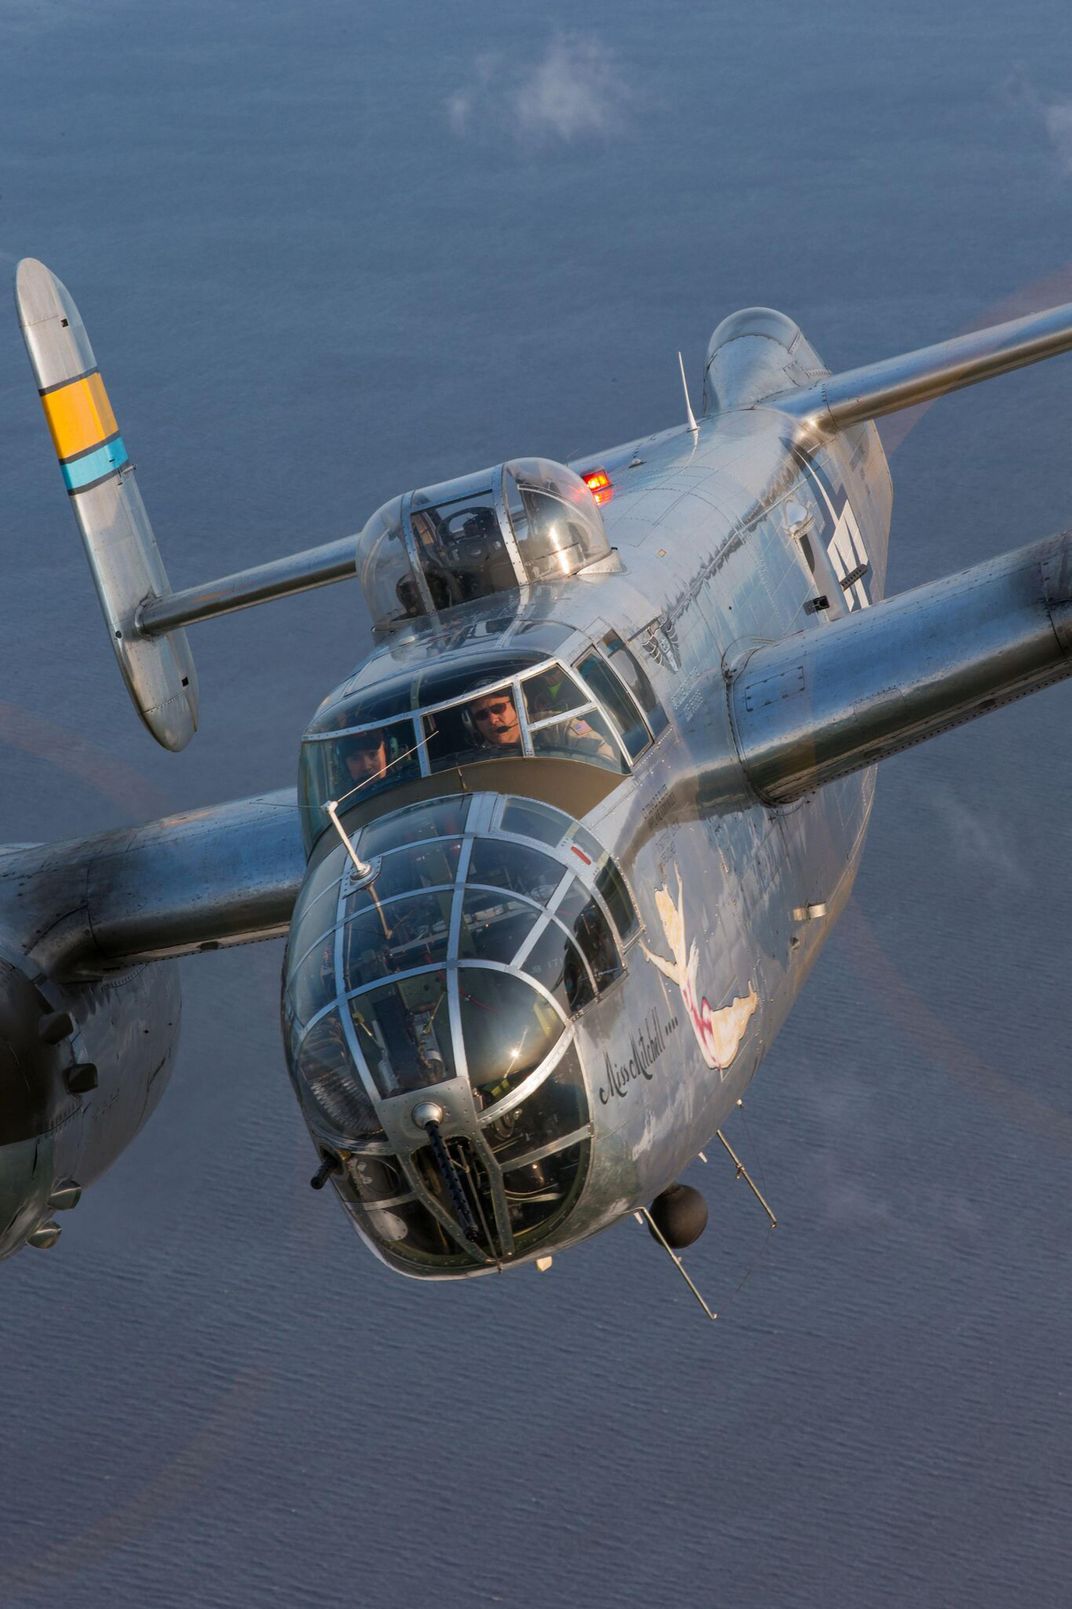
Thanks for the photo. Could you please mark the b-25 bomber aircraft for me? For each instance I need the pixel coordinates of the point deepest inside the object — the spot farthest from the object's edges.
(566, 844)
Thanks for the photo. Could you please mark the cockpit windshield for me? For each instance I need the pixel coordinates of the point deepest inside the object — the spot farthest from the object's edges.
(496, 705)
(488, 924)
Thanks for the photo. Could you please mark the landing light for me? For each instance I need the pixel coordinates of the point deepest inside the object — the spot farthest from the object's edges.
(599, 484)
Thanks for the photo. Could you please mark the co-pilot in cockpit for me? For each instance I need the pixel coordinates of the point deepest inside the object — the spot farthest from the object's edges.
(391, 726)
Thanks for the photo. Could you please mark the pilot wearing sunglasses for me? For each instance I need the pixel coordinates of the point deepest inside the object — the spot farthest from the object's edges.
(495, 722)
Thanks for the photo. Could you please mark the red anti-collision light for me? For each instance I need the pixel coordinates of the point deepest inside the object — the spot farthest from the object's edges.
(599, 484)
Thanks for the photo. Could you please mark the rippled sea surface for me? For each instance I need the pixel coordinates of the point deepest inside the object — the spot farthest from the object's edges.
(329, 252)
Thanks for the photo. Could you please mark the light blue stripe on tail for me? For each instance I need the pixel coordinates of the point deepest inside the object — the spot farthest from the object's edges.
(97, 465)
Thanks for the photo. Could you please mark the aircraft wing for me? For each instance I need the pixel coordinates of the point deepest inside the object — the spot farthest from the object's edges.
(227, 874)
(845, 693)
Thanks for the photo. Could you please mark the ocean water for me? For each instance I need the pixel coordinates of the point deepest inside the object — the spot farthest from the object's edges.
(326, 253)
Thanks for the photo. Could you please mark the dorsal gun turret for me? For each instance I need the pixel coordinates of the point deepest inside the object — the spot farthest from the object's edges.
(526, 521)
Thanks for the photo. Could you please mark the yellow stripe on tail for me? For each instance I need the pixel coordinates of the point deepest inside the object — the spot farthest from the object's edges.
(79, 415)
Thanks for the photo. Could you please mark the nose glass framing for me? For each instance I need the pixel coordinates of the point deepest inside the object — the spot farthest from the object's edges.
(490, 924)
(499, 911)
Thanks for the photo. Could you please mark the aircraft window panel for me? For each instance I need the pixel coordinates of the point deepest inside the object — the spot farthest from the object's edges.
(368, 761)
(540, 1194)
(486, 727)
(461, 550)
(551, 1116)
(316, 918)
(555, 961)
(585, 737)
(574, 1137)
(379, 1179)
(403, 1033)
(407, 933)
(611, 884)
(332, 1084)
(370, 707)
(635, 677)
(407, 1229)
(481, 674)
(551, 692)
(447, 739)
(555, 519)
(531, 819)
(494, 925)
(508, 1029)
(515, 867)
(445, 818)
(358, 763)
(322, 881)
(313, 986)
(419, 866)
(579, 911)
(610, 692)
(384, 568)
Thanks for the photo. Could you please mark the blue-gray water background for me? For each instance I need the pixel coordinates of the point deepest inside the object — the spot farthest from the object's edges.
(328, 252)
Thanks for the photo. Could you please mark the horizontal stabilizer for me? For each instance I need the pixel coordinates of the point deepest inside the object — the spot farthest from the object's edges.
(99, 478)
(278, 578)
(840, 400)
(833, 698)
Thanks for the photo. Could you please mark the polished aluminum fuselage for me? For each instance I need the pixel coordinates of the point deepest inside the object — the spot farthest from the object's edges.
(735, 898)
(701, 525)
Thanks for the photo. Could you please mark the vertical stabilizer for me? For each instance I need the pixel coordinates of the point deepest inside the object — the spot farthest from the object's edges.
(99, 477)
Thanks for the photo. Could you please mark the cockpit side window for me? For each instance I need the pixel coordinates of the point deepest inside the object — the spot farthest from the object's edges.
(365, 762)
(624, 713)
(635, 677)
(552, 692)
(581, 737)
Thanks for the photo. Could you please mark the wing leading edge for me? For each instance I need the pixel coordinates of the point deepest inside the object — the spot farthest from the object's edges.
(829, 700)
(227, 874)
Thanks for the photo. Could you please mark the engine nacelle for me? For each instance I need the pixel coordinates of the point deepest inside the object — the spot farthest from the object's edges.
(81, 1068)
